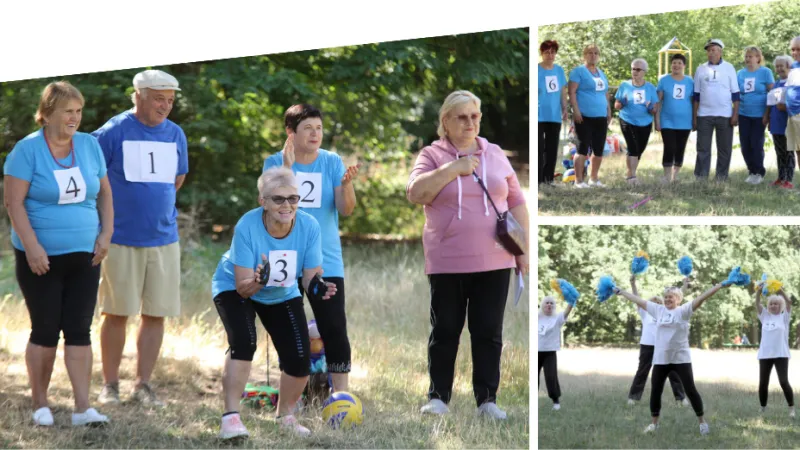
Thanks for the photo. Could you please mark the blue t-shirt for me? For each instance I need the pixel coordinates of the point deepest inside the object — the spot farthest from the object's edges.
(778, 118)
(792, 92)
(592, 91)
(551, 84)
(316, 183)
(142, 165)
(676, 107)
(754, 87)
(61, 203)
(288, 256)
(635, 112)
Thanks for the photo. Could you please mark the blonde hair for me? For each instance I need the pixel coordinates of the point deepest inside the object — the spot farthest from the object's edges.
(757, 51)
(53, 95)
(455, 98)
(590, 47)
(676, 291)
(778, 298)
(274, 178)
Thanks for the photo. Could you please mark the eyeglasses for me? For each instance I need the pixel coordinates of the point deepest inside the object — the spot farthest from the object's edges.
(279, 200)
(636, 69)
(468, 119)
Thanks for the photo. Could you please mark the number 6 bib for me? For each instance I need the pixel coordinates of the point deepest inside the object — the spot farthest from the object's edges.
(552, 84)
(150, 162)
(283, 268)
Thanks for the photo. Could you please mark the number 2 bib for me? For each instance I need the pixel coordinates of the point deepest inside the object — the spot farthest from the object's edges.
(310, 189)
(71, 185)
(679, 92)
(283, 268)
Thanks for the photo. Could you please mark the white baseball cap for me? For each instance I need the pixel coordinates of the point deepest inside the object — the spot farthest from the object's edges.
(156, 80)
(711, 42)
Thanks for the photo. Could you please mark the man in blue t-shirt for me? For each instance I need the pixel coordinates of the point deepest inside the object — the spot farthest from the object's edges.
(147, 161)
(326, 190)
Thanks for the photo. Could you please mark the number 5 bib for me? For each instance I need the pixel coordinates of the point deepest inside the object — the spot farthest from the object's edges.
(310, 189)
(283, 268)
(71, 185)
(150, 162)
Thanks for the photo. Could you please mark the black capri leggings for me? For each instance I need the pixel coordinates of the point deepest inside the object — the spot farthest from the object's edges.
(636, 137)
(285, 322)
(674, 146)
(764, 372)
(548, 150)
(684, 371)
(592, 133)
(332, 326)
(62, 299)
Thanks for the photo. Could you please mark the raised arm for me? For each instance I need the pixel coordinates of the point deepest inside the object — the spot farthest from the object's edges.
(567, 310)
(786, 299)
(633, 298)
(684, 285)
(698, 302)
(759, 307)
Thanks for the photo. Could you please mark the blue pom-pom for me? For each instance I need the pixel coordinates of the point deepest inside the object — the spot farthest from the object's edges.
(764, 290)
(685, 266)
(639, 265)
(737, 277)
(605, 288)
(567, 163)
(568, 292)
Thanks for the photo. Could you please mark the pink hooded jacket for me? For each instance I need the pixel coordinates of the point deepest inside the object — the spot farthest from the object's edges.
(460, 223)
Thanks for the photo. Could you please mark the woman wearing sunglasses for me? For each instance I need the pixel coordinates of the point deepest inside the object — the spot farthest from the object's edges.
(468, 270)
(272, 245)
(637, 103)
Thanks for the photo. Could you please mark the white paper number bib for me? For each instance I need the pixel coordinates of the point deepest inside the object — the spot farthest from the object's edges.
(769, 326)
(150, 162)
(639, 97)
(667, 318)
(749, 85)
(310, 189)
(283, 268)
(679, 92)
(552, 83)
(600, 85)
(774, 96)
(71, 185)
(542, 330)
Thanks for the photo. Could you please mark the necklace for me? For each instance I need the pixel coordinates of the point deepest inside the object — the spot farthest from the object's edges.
(71, 152)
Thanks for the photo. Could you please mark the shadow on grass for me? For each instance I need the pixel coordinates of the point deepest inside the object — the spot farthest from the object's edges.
(595, 414)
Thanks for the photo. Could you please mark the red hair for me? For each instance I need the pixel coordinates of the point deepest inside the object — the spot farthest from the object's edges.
(547, 45)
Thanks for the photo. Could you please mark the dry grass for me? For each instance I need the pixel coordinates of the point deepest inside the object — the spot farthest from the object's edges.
(388, 321)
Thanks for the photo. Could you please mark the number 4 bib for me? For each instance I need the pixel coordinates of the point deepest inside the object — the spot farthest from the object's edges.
(310, 189)
(71, 185)
(283, 268)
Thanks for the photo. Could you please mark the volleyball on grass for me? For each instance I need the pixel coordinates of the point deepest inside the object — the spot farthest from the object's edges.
(342, 410)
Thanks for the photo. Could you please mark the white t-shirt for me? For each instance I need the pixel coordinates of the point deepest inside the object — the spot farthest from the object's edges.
(715, 84)
(648, 327)
(672, 333)
(550, 332)
(774, 335)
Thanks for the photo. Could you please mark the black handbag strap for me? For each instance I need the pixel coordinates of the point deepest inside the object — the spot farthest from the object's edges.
(499, 217)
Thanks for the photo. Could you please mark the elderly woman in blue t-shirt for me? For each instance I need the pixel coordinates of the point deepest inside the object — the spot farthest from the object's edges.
(637, 101)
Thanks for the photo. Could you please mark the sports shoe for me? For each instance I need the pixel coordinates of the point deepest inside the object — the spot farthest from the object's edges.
(43, 417)
(762, 410)
(109, 395)
(89, 417)
(757, 179)
(289, 422)
(231, 427)
(704, 428)
(596, 183)
(777, 182)
(435, 406)
(582, 185)
(556, 406)
(685, 402)
(791, 412)
(749, 179)
(144, 394)
(787, 185)
(490, 409)
(651, 428)
(631, 401)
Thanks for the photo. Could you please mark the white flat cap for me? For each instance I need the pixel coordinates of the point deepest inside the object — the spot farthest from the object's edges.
(156, 80)
(716, 42)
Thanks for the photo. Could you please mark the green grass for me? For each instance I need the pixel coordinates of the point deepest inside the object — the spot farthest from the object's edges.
(388, 323)
(595, 414)
(686, 198)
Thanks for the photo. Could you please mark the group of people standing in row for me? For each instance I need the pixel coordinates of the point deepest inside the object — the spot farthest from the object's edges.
(712, 103)
(76, 244)
(664, 347)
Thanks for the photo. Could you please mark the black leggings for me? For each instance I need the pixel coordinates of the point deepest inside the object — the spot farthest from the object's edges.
(332, 326)
(764, 372)
(684, 371)
(674, 146)
(640, 379)
(62, 299)
(285, 322)
(592, 133)
(549, 360)
(548, 150)
(636, 138)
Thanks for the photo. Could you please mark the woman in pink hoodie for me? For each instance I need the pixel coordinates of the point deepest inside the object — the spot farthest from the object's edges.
(468, 270)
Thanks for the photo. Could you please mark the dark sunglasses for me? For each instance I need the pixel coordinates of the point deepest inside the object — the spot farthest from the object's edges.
(279, 200)
(636, 69)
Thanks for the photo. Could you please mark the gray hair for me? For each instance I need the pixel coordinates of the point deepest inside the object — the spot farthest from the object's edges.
(778, 298)
(640, 60)
(794, 39)
(676, 291)
(455, 99)
(274, 178)
(786, 59)
(142, 93)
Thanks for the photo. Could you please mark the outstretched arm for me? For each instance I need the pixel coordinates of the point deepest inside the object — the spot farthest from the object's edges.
(698, 302)
(567, 310)
(759, 308)
(685, 285)
(632, 297)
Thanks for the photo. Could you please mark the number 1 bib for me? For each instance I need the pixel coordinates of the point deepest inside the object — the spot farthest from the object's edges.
(310, 189)
(150, 162)
(71, 185)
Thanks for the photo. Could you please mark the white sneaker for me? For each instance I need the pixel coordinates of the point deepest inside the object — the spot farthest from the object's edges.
(651, 428)
(596, 183)
(490, 409)
(685, 402)
(749, 179)
(435, 406)
(556, 406)
(631, 401)
(791, 413)
(43, 417)
(232, 427)
(581, 185)
(91, 417)
(704, 428)
(290, 423)
(757, 179)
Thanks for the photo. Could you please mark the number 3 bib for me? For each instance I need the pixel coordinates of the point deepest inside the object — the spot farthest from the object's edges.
(283, 268)
(310, 189)
(150, 162)
(71, 185)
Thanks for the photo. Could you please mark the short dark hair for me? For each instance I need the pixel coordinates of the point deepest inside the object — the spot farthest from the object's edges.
(678, 56)
(298, 113)
(547, 45)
